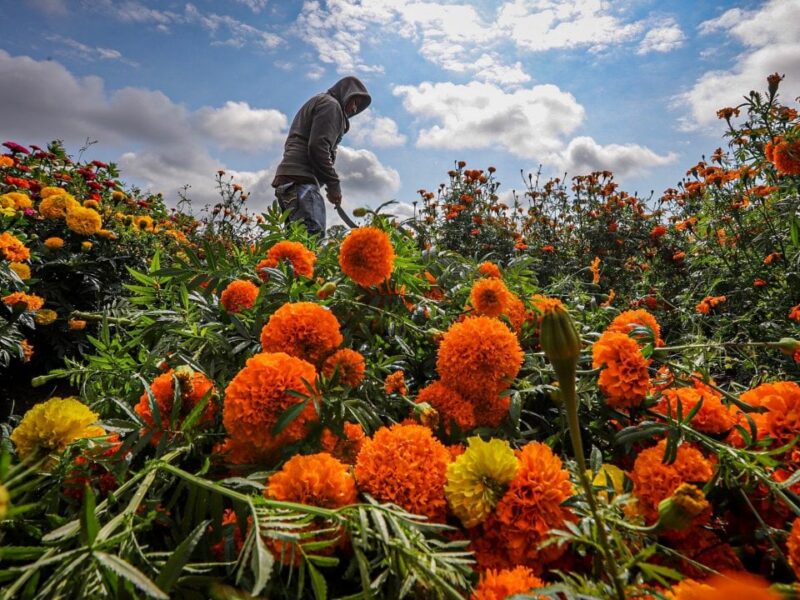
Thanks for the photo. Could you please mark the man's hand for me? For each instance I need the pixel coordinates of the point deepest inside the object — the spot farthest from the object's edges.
(334, 198)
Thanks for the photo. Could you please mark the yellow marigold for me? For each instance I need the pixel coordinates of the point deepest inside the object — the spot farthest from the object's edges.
(107, 234)
(45, 317)
(395, 383)
(793, 547)
(239, 295)
(713, 417)
(93, 204)
(84, 221)
(451, 406)
(17, 200)
(628, 321)
(504, 583)
(489, 296)
(653, 481)
(302, 329)
(301, 258)
(54, 243)
(143, 223)
(52, 425)
(86, 246)
(260, 393)
(76, 324)
(118, 196)
(12, 249)
(489, 269)
(366, 256)
(32, 302)
(479, 356)
(315, 480)
(345, 447)
(477, 479)
(56, 206)
(624, 379)
(348, 364)
(406, 465)
(22, 270)
(6, 161)
(27, 350)
(193, 387)
(46, 192)
(724, 587)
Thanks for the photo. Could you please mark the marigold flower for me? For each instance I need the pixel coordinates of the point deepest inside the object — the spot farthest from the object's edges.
(784, 155)
(143, 223)
(477, 479)
(193, 388)
(781, 421)
(22, 270)
(52, 425)
(12, 249)
(86, 246)
(709, 302)
(54, 243)
(367, 256)
(629, 321)
(31, 302)
(6, 161)
(489, 269)
(56, 206)
(259, 394)
(302, 329)
(16, 200)
(451, 406)
(653, 481)
(516, 312)
(84, 221)
(27, 350)
(624, 379)
(76, 324)
(348, 364)
(48, 191)
(315, 480)
(793, 547)
(479, 356)
(395, 383)
(501, 584)
(45, 317)
(794, 313)
(713, 417)
(301, 258)
(724, 587)
(406, 465)
(707, 549)
(344, 448)
(489, 296)
(595, 269)
(239, 295)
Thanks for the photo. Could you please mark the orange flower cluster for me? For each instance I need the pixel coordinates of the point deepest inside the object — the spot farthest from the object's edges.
(348, 365)
(624, 379)
(516, 312)
(302, 329)
(781, 421)
(784, 154)
(793, 547)
(406, 465)
(706, 304)
(724, 587)
(12, 249)
(524, 516)
(451, 406)
(713, 417)
(707, 549)
(501, 584)
(256, 398)
(479, 357)
(239, 295)
(395, 383)
(489, 269)
(301, 258)
(595, 269)
(344, 448)
(367, 256)
(32, 302)
(193, 388)
(653, 481)
(628, 321)
(794, 313)
(489, 296)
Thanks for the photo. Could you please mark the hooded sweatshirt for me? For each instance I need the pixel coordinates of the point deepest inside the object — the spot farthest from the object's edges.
(315, 133)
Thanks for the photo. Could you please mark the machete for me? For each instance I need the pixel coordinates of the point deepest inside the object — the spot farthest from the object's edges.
(344, 217)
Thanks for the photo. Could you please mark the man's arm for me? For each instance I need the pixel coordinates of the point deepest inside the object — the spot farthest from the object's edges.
(328, 122)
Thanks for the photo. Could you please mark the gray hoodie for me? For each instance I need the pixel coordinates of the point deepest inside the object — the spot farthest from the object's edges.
(315, 133)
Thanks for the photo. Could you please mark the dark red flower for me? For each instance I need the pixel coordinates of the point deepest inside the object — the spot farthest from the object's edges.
(15, 147)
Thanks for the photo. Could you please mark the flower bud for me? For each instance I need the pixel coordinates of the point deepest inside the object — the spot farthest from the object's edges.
(427, 415)
(559, 338)
(326, 290)
(678, 511)
(5, 500)
(773, 81)
(788, 345)
(360, 212)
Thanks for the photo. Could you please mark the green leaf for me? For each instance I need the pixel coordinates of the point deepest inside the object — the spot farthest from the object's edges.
(127, 571)
(89, 523)
(318, 583)
(289, 415)
(795, 232)
(171, 570)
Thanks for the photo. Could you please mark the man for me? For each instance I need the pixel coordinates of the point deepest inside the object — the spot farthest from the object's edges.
(310, 152)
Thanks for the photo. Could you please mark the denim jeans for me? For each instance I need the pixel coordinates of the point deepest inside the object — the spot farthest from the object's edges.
(304, 203)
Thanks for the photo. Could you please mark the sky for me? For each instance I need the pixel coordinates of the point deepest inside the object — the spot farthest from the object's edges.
(173, 91)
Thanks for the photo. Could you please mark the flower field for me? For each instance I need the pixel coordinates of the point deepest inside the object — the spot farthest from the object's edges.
(579, 393)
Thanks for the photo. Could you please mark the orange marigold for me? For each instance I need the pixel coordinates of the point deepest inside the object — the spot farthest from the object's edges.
(713, 417)
(653, 481)
(793, 547)
(516, 312)
(239, 295)
(725, 587)
(348, 364)
(316, 480)
(366, 256)
(489, 296)
(395, 383)
(193, 387)
(12, 249)
(624, 379)
(489, 269)
(794, 313)
(781, 421)
(259, 394)
(784, 154)
(707, 549)
(706, 304)
(54, 243)
(406, 465)
(628, 321)
(451, 406)
(498, 585)
(296, 254)
(32, 302)
(479, 356)
(344, 448)
(302, 329)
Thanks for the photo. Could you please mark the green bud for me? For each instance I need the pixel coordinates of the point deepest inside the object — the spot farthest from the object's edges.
(678, 511)
(788, 345)
(559, 338)
(326, 290)
(360, 212)
(5, 500)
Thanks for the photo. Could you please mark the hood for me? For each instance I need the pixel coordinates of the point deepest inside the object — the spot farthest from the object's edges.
(346, 88)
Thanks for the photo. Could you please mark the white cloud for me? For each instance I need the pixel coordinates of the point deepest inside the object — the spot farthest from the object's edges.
(772, 41)
(132, 11)
(75, 49)
(370, 129)
(227, 31)
(54, 8)
(584, 155)
(363, 176)
(255, 5)
(528, 123)
(236, 125)
(666, 36)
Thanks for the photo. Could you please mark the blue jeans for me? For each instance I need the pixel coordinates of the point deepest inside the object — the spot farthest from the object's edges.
(304, 203)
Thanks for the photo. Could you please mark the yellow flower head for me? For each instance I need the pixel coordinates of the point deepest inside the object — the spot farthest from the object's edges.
(17, 200)
(93, 204)
(22, 270)
(45, 317)
(54, 243)
(46, 192)
(51, 426)
(56, 206)
(84, 221)
(476, 480)
(118, 196)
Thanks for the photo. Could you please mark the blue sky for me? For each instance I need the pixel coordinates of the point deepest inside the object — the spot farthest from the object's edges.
(173, 91)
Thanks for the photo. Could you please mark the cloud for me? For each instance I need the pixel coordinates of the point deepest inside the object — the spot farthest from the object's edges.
(227, 31)
(53, 8)
(131, 11)
(528, 123)
(363, 176)
(76, 49)
(236, 125)
(584, 155)
(255, 5)
(772, 44)
(665, 37)
(370, 129)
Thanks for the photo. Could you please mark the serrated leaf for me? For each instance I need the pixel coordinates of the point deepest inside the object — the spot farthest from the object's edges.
(171, 570)
(130, 573)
